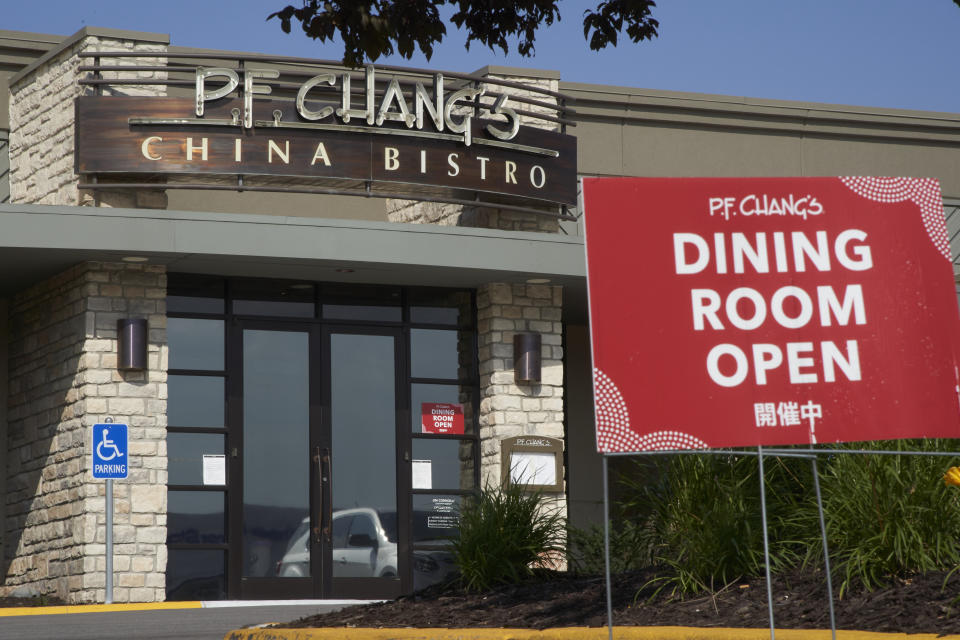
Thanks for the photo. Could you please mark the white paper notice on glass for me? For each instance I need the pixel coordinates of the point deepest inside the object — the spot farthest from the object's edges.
(423, 474)
(533, 468)
(215, 469)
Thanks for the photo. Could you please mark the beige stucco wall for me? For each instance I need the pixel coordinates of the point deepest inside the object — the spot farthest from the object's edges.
(636, 132)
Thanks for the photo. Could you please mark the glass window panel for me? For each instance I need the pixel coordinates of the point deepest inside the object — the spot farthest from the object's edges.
(363, 406)
(195, 344)
(360, 294)
(295, 562)
(434, 353)
(441, 306)
(362, 312)
(451, 462)
(445, 393)
(276, 472)
(185, 453)
(362, 529)
(196, 574)
(432, 566)
(273, 298)
(273, 308)
(187, 293)
(195, 517)
(435, 315)
(341, 525)
(435, 517)
(194, 304)
(195, 401)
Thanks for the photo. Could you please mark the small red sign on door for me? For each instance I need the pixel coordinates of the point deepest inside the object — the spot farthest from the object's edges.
(441, 417)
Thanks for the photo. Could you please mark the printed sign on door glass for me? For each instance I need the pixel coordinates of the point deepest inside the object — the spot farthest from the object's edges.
(441, 417)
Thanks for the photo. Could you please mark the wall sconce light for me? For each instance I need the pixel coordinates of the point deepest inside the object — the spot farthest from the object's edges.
(526, 358)
(132, 344)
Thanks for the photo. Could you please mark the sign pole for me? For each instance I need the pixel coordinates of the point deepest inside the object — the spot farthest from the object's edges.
(109, 550)
(826, 551)
(606, 545)
(766, 543)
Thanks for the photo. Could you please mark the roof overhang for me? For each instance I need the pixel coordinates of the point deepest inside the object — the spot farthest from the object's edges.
(38, 241)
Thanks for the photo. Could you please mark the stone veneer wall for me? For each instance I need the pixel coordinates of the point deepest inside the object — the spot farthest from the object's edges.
(63, 380)
(506, 409)
(42, 124)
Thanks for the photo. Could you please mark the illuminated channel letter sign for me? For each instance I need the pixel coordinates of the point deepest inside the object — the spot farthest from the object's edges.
(772, 311)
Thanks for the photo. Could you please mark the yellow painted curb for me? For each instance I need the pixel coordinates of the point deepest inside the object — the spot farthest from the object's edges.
(96, 608)
(571, 633)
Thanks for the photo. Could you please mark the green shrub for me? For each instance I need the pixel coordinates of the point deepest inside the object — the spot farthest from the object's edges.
(506, 534)
(705, 527)
(888, 515)
(629, 548)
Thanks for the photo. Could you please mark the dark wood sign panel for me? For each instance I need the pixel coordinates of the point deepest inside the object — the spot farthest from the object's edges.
(109, 143)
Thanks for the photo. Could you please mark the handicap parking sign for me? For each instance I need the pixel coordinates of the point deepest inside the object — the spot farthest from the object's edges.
(110, 451)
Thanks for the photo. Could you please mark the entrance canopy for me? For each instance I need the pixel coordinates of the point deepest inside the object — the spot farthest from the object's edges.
(39, 241)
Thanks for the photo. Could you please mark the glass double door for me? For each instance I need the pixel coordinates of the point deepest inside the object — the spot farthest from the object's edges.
(314, 446)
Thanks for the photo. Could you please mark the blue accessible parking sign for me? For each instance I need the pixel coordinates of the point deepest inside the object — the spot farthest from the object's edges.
(110, 450)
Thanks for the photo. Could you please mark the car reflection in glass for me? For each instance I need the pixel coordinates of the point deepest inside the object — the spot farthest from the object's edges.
(365, 546)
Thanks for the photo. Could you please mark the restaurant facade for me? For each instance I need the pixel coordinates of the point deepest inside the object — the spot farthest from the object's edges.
(329, 304)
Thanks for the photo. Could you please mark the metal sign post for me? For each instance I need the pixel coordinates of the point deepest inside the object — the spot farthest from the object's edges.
(109, 550)
(110, 460)
(606, 545)
(766, 543)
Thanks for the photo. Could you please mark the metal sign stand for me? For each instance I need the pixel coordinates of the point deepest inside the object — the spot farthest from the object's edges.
(766, 543)
(606, 545)
(811, 453)
(826, 551)
(823, 534)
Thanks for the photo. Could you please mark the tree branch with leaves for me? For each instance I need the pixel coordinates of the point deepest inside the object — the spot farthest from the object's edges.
(370, 29)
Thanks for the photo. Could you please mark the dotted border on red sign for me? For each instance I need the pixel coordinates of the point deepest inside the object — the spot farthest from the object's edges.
(924, 192)
(613, 424)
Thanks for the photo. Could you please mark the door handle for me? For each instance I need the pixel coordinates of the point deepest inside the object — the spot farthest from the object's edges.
(318, 529)
(321, 532)
(325, 479)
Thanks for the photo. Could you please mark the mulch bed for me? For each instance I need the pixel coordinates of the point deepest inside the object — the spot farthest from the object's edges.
(919, 605)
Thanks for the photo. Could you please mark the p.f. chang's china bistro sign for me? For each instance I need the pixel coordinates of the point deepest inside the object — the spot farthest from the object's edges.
(431, 136)
(769, 311)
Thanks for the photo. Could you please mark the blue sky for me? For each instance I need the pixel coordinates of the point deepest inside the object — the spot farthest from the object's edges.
(880, 53)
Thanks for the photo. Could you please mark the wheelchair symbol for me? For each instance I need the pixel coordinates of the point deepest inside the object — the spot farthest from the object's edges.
(107, 444)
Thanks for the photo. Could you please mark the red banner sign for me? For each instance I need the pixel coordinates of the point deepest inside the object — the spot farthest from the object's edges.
(441, 417)
(770, 311)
